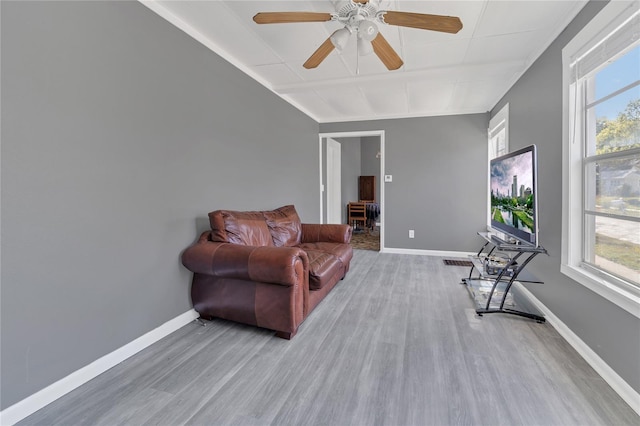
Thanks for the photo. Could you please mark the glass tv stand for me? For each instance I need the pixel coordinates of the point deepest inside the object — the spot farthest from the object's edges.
(497, 266)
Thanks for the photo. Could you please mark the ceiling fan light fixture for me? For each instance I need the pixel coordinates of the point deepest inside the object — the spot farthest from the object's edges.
(364, 47)
(367, 30)
(340, 38)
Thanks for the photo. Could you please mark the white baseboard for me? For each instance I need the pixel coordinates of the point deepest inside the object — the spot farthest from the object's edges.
(622, 388)
(419, 252)
(46, 396)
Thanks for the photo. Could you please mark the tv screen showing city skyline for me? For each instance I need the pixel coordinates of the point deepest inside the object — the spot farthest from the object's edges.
(513, 198)
(503, 172)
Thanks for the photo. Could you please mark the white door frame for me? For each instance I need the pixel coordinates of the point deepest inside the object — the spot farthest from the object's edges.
(334, 181)
(356, 134)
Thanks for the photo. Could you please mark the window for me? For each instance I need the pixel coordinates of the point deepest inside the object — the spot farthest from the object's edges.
(498, 145)
(601, 179)
(498, 133)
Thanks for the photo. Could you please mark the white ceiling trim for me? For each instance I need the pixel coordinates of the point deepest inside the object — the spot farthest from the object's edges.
(406, 76)
(435, 113)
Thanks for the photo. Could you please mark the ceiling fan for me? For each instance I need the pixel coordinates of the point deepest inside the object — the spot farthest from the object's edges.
(360, 17)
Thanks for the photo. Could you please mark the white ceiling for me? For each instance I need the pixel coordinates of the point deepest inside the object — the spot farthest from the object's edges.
(443, 74)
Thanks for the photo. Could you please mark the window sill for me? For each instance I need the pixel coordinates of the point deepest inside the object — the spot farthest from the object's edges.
(627, 299)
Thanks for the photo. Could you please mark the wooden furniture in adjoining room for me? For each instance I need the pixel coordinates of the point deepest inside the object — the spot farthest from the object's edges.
(357, 212)
(367, 189)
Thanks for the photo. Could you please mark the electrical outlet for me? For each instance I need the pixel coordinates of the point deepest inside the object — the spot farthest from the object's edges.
(412, 233)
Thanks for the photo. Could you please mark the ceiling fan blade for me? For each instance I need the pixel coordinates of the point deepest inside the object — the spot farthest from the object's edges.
(361, 1)
(290, 17)
(423, 21)
(319, 55)
(385, 52)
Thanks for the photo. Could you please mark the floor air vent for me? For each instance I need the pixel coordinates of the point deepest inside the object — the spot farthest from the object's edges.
(454, 262)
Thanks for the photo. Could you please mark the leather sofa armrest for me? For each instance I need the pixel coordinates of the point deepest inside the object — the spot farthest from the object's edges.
(328, 233)
(275, 265)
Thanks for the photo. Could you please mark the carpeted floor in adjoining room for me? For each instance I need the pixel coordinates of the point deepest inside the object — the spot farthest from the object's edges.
(365, 239)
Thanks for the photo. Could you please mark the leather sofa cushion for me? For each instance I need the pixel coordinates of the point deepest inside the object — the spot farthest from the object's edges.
(343, 252)
(284, 225)
(322, 267)
(245, 228)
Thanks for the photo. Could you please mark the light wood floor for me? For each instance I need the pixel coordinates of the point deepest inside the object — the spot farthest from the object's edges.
(396, 343)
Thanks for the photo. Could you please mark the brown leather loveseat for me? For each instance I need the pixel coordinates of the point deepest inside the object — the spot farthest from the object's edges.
(266, 268)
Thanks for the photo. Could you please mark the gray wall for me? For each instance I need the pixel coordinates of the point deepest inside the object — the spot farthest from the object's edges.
(535, 109)
(119, 134)
(439, 169)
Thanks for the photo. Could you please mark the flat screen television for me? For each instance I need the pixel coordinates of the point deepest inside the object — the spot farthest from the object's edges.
(514, 196)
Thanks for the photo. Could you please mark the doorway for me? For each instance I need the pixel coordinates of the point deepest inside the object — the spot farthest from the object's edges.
(330, 179)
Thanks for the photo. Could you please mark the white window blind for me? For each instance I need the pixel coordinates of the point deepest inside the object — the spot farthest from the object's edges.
(615, 39)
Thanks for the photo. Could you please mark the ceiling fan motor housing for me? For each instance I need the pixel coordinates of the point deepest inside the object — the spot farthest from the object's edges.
(351, 13)
(359, 17)
(344, 8)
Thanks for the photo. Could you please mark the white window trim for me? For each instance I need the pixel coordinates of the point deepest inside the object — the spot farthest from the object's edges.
(626, 297)
(497, 121)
